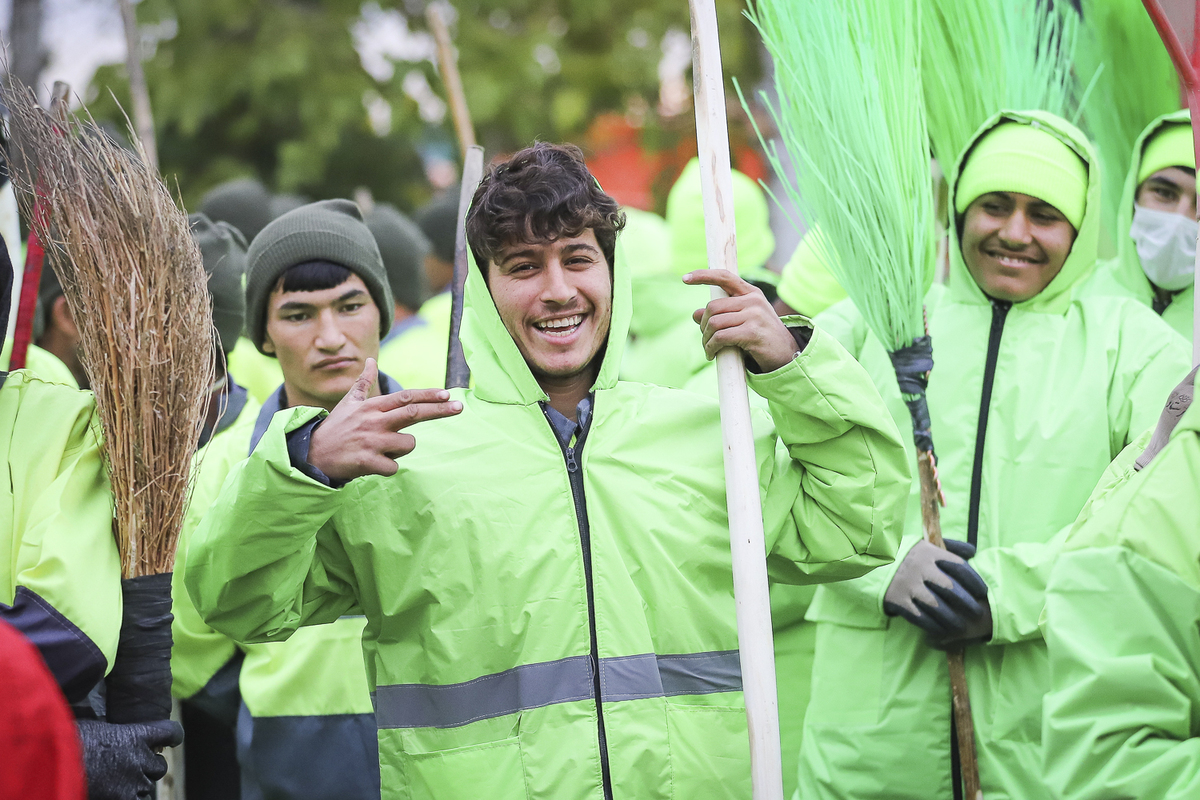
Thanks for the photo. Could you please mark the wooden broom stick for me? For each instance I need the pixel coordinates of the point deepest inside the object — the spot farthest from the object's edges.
(448, 66)
(143, 119)
(751, 590)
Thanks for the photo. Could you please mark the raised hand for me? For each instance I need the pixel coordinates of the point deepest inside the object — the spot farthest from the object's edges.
(744, 319)
(362, 435)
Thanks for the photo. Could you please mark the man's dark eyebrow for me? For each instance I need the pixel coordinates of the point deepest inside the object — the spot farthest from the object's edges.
(517, 254)
(1167, 181)
(297, 305)
(581, 246)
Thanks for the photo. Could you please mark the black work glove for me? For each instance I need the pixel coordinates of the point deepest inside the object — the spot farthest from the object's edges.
(123, 761)
(939, 592)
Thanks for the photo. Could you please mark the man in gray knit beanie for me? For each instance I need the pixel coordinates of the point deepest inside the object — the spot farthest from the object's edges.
(318, 299)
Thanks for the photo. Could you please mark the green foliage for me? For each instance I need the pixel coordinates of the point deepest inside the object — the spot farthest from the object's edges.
(1136, 84)
(982, 56)
(851, 115)
(275, 88)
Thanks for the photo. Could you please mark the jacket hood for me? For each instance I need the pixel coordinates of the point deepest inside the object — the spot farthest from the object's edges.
(1055, 298)
(499, 373)
(1128, 267)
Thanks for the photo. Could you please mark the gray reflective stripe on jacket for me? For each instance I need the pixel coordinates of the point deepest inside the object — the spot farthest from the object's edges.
(566, 680)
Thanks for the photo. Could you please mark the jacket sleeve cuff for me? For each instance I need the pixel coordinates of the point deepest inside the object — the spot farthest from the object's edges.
(299, 440)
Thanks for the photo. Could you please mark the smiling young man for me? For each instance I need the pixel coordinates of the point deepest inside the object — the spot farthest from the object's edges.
(546, 578)
(317, 299)
(1034, 393)
(1156, 261)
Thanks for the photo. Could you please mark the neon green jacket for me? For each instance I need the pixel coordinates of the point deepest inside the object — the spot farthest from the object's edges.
(556, 622)
(1123, 276)
(306, 730)
(60, 577)
(1122, 626)
(415, 354)
(42, 363)
(1073, 382)
(259, 373)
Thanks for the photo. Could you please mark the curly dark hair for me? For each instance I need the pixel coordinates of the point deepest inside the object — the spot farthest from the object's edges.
(542, 193)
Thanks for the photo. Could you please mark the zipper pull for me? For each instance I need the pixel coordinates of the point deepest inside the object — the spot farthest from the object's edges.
(572, 464)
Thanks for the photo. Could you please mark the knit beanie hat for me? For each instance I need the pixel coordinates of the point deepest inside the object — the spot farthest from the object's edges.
(1171, 146)
(329, 230)
(223, 250)
(439, 222)
(403, 247)
(807, 284)
(282, 203)
(244, 204)
(685, 218)
(1013, 157)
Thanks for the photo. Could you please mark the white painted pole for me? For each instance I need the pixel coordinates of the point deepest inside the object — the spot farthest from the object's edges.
(755, 636)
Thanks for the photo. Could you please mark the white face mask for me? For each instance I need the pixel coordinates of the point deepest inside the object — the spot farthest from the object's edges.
(1166, 244)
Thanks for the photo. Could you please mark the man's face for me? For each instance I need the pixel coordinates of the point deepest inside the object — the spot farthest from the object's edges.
(1172, 190)
(322, 340)
(1014, 244)
(555, 299)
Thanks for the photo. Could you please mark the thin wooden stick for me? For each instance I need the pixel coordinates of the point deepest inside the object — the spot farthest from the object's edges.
(750, 587)
(458, 374)
(143, 119)
(448, 65)
(931, 502)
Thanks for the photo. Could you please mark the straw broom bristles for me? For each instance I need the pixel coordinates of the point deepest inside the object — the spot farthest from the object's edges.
(135, 283)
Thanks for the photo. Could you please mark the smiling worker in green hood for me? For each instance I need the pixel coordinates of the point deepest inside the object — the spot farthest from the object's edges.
(546, 578)
(1156, 261)
(1034, 393)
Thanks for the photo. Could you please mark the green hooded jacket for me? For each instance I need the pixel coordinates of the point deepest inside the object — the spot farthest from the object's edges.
(1122, 626)
(414, 353)
(305, 729)
(554, 622)
(1123, 276)
(60, 583)
(1071, 383)
(42, 363)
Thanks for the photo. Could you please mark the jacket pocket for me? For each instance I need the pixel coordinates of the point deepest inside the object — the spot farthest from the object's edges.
(495, 769)
(710, 752)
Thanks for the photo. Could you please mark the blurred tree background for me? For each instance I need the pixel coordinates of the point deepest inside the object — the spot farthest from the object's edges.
(319, 97)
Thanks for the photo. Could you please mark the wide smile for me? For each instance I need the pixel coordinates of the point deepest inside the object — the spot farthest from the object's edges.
(561, 329)
(1012, 261)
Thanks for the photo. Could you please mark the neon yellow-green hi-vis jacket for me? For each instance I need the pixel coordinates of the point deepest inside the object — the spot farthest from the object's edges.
(1123, 276)
(42, 363)
(1030, 402)
(302, 708)
(414, 353)
(60, 577)
(1122, 626)
(259, 373)
(546, 620)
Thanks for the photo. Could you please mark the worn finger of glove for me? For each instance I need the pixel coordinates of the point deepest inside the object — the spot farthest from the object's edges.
(121, 761)
(911, 594)
(964, 550)
(977, 631)
(965, 576)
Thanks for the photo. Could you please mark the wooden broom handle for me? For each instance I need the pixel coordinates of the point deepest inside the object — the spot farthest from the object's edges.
(448, 65)
(931, 505)
(750, 587)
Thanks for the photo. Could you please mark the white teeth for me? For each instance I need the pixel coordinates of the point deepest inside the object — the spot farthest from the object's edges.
(554, 324)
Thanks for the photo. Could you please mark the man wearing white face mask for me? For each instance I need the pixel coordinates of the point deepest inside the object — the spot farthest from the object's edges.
(1155, 263)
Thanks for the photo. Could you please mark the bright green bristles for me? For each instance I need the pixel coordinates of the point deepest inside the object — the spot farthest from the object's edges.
(1136, 84)
(982, 56)
(850, 113)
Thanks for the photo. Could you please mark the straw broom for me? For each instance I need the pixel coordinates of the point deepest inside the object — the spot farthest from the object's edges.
(851, 114)
(134, 280)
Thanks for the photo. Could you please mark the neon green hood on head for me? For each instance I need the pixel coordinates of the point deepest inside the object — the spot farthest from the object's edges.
(499, 373)
(660, 297)
(685, 217)
(1055, 298)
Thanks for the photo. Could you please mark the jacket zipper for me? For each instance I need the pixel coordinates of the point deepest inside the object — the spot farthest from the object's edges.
(575, 476)
(1000, 309)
